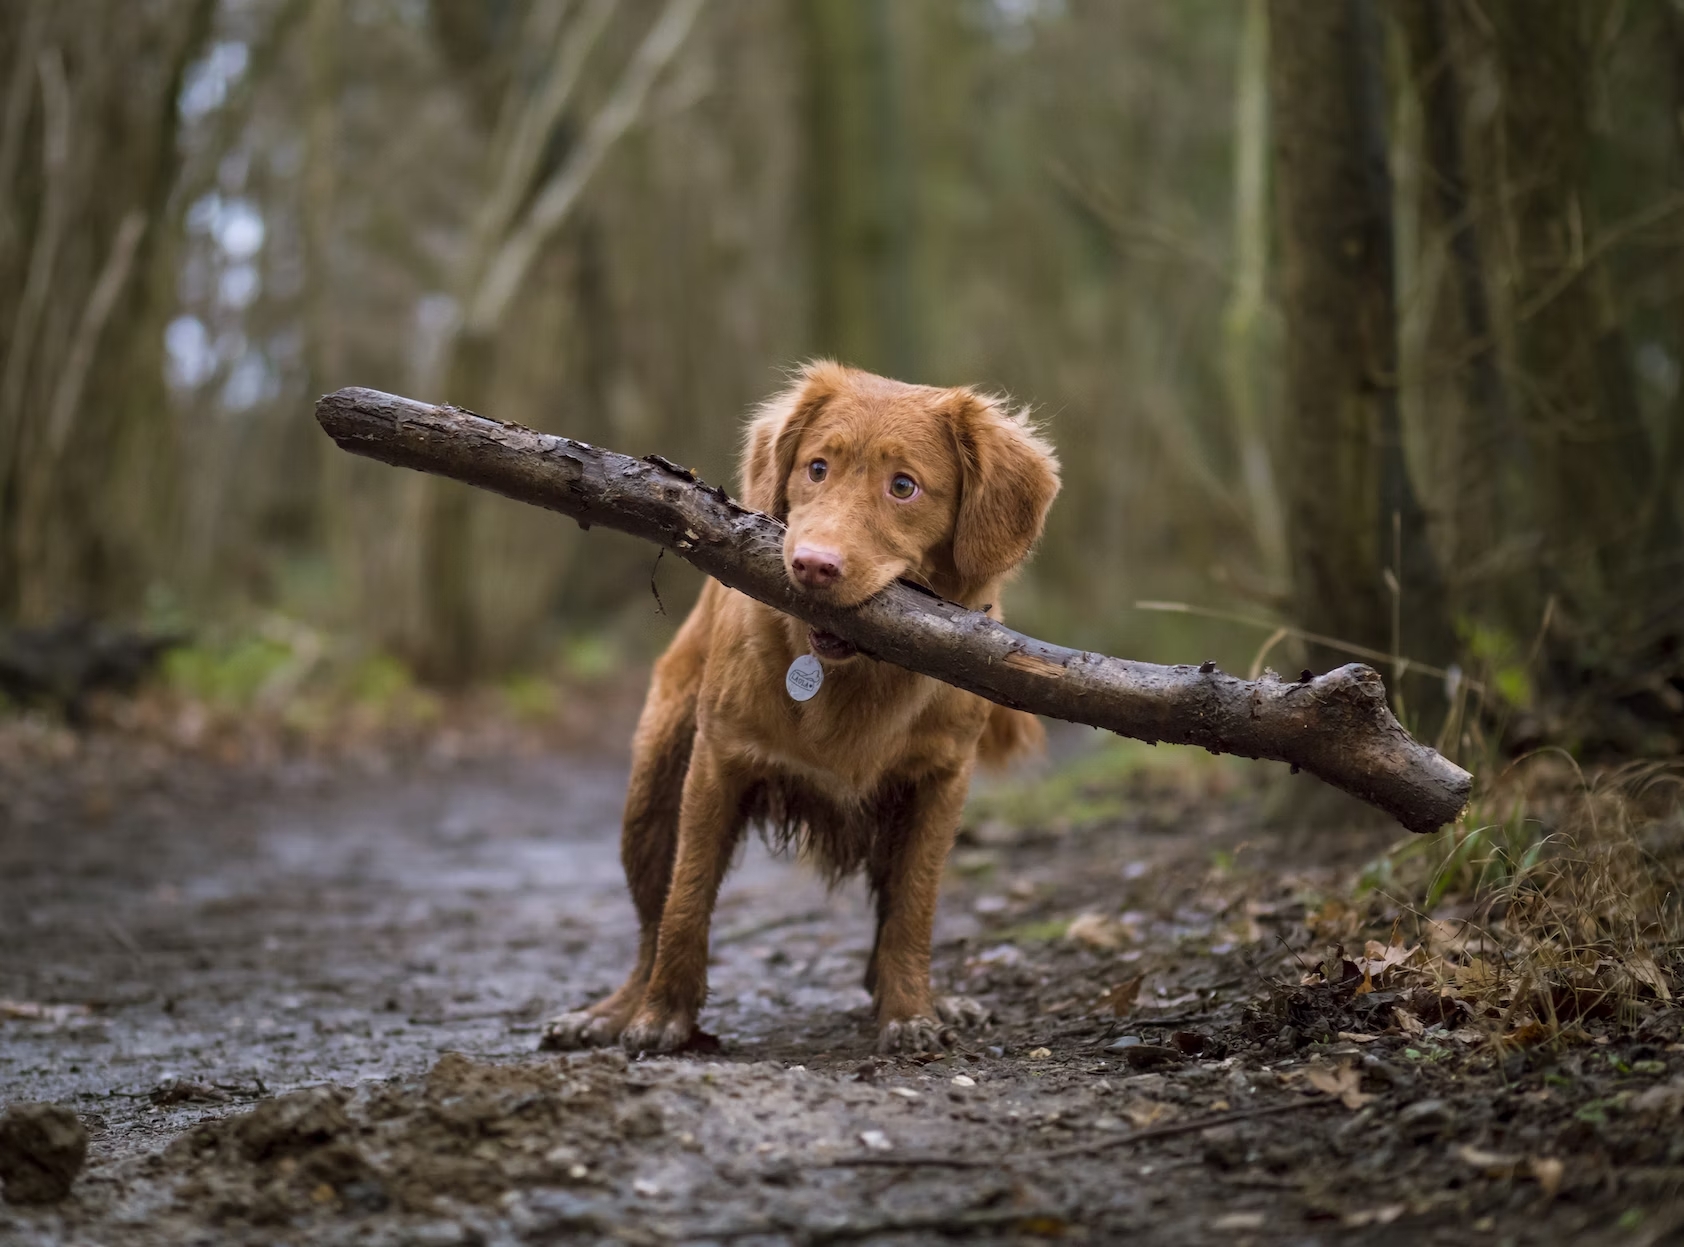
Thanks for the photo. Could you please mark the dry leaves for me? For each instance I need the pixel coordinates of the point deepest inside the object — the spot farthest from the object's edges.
(1144, 1113)
(1344, 1083)
(1120, 998)
(31, 1011)
(1096, 931)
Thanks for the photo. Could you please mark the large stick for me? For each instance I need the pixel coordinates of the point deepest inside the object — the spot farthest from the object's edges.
(1336, 726)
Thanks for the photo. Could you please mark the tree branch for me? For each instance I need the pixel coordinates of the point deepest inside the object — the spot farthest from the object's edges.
(555, 199)
(1336, 726)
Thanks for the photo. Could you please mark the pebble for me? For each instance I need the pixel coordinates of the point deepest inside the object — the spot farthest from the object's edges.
(42, 1149)
(1124, 1041)
(1425, 1117)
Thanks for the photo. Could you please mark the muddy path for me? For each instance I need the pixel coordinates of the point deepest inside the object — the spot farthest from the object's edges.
(298, 1003)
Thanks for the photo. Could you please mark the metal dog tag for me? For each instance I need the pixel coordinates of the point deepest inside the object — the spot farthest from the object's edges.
(803, 678)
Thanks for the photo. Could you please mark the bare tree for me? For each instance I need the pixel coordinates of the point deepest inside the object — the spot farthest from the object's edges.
(87, 153)
(526, 204)
(860, 188)
(1361, 566)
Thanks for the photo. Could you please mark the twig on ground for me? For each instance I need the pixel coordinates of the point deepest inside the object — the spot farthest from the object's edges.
(1192, 1125)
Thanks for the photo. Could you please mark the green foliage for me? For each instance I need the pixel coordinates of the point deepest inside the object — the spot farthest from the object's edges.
(529, 697)
(232, 673)
(1111, 782)
(1034, 932)
(1499, 655)
(379, 680)
(1479, 853)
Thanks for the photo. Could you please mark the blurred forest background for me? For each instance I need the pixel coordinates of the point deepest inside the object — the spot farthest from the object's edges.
(1352, 320)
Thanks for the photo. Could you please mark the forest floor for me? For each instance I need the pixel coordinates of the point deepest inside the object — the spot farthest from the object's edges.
(298, 1001)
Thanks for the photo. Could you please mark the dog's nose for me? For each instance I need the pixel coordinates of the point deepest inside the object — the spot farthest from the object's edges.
(816, 568)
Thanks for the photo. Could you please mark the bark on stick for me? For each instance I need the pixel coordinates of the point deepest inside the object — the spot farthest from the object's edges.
(1336, 726)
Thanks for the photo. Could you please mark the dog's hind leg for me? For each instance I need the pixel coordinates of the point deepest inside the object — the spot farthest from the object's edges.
(648, 836)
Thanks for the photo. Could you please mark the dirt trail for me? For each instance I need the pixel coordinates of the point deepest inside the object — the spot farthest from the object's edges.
(365, 960)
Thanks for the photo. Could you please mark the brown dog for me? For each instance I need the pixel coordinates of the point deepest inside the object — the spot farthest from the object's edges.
(875, 480)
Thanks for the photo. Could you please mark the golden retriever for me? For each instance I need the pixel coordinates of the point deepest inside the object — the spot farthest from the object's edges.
(875, 480)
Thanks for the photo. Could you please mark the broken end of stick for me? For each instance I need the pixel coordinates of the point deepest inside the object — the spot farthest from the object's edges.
(1376, 759)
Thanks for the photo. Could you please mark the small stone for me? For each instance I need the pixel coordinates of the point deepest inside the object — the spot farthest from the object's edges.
(876, 1140)
(1039, 1054)
(641, 1121)
(42, 1149)
(1425, 1118)
(1123, 1041)
(963, 1080)
(1150, 1056)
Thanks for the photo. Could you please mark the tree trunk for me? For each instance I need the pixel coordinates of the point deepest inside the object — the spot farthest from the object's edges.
(1351, 512)
(861, 186)
(1242, 364)
(1335, 726)
(1572, 387)
(87, 158)
(1480, 461)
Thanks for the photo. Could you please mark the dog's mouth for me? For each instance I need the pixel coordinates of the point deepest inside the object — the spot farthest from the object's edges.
(830, 646)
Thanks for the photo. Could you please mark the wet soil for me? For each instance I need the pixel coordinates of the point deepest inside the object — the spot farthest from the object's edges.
(300, 1003)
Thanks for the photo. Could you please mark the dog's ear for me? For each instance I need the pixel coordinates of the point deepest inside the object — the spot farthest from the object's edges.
(1009, 477)
(774, 435)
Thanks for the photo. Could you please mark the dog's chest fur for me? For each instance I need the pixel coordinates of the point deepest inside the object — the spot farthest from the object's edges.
(839, 775)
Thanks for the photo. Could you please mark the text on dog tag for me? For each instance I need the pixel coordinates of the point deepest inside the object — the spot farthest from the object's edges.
(803, 678)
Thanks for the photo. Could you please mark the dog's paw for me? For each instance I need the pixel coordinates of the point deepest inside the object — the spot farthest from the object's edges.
(963, 1012)
(654, 1030)
(583, 1029)
(915, 1034)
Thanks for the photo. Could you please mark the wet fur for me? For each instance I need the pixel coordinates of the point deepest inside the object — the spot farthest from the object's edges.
(869, 776)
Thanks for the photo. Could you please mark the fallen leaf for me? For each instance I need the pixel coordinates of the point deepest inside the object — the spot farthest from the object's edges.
(1407, 1022)
(1529, 1034)
(1548, 1171)
(1377, 958)
(1357, 1037)
(1039, 1054)
(1096, 931)
(1144, 1113)
(1644, 969)
(1238, 1221)
(1120, 998)
(1491, 1164)
(1343, 1082)
(1478, 973)
(1383, 1215)
(32, 1011)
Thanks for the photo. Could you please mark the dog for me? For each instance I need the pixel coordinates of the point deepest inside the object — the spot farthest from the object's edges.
(875, 480)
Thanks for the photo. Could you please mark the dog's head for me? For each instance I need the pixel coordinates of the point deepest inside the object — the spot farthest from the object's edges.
(877, 480)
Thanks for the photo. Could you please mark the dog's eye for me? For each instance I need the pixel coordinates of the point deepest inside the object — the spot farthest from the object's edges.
(817, 469)
(903, 487)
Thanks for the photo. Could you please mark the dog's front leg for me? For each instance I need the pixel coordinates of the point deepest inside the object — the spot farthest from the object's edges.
(709, 822)
(906, 1015)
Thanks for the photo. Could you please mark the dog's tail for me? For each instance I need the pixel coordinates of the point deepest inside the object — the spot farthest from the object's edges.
(1009, 734)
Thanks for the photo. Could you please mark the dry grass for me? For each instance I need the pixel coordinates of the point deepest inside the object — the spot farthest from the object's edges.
(1554, 902)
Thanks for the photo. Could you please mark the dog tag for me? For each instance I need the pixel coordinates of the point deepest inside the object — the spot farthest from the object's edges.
(803, 678)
